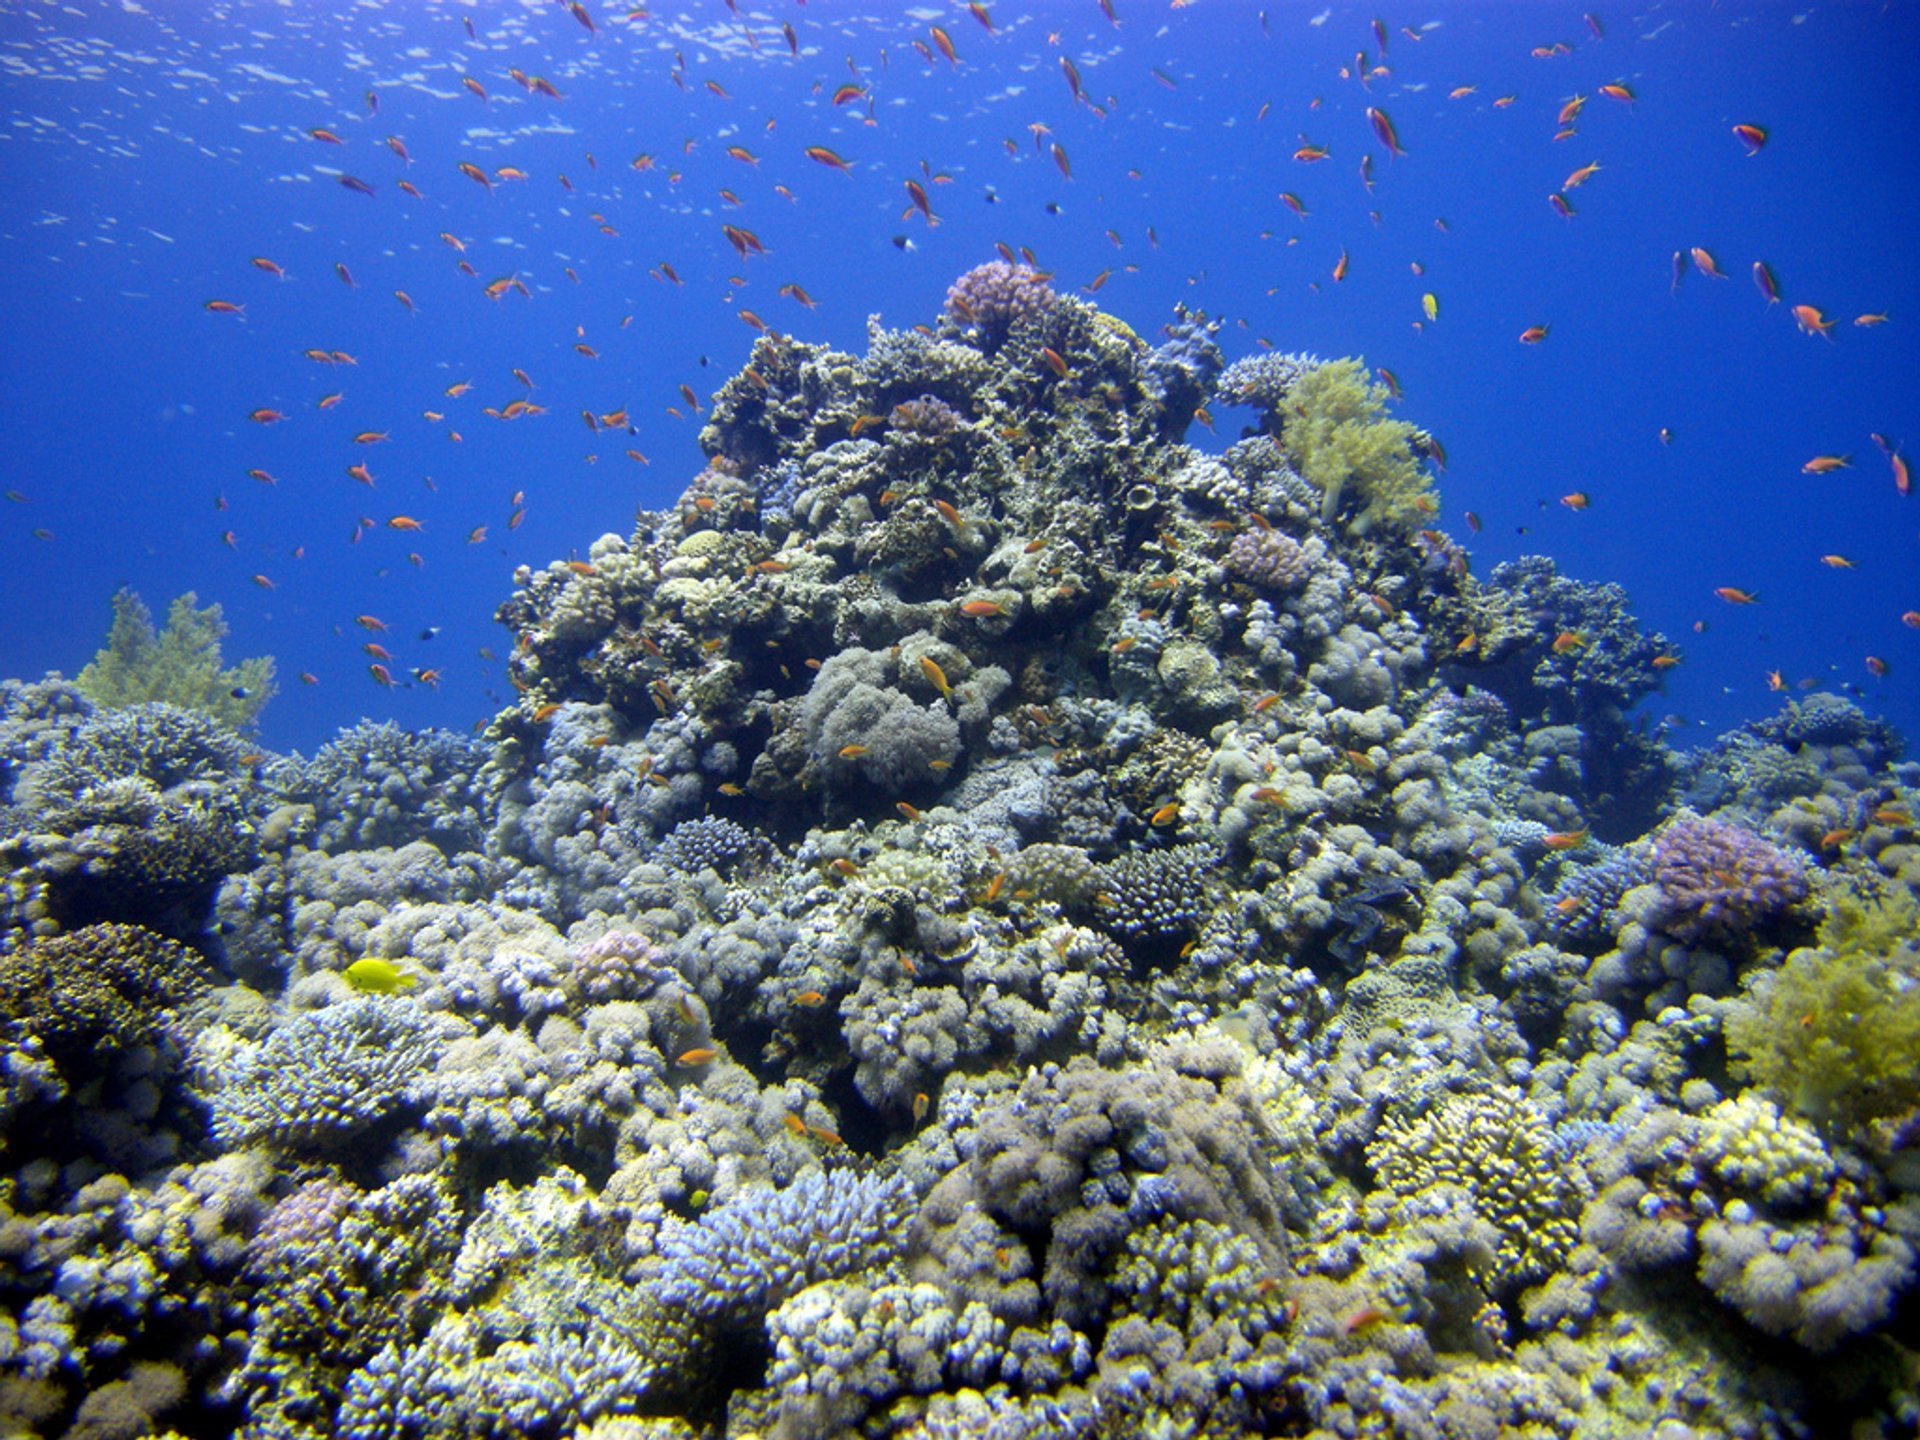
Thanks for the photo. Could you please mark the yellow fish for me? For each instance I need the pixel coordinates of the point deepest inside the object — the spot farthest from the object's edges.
(1430, 303)
(379, 977)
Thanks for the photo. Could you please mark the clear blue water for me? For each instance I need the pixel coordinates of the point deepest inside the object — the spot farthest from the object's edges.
(152, 151)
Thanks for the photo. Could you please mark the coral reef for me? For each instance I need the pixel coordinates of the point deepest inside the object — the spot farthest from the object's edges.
(1719, 880)
(981, 918)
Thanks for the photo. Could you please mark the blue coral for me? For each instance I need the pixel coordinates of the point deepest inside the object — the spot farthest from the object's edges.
(766, 1245)
(326, 1076)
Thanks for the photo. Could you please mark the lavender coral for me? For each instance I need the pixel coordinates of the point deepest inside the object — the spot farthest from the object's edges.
(1269, 558)
(993, 297)
(1722, 881)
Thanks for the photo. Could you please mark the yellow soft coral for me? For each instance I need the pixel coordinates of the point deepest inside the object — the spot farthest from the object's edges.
(1336, 434)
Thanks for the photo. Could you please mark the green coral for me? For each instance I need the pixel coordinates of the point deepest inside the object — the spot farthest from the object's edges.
(180, 664)
(1336, 435)
(1499, 1149)
(1835, 1031)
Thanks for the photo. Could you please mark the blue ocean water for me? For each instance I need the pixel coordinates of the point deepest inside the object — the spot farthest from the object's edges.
(156, 154)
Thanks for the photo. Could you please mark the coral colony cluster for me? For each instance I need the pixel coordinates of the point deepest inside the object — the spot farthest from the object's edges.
(984, 921)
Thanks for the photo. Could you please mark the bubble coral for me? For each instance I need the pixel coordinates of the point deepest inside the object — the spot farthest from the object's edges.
(1720, 881)
(995, 296)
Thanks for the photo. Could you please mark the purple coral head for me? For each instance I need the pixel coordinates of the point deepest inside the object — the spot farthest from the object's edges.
(1268, 558)
(619, 965)
(994, 296)
(928, 417)
(1719, 880)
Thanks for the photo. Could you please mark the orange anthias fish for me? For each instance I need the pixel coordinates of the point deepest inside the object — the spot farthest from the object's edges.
(1751, 136)
(1826, 464)
(1383, 127)
(1534, 334)
(1735, 596)
(1812, 321)
(821, 155)
(1704, 262)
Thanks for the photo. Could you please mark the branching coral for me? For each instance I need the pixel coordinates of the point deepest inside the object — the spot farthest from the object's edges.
(92, 993)
(1499, 1149)
(1720, 881)
(326, 1076)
